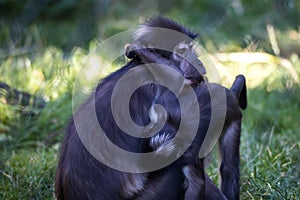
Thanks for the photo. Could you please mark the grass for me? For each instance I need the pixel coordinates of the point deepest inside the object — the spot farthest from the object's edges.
(29, 174)
(271, 144)
(30, 137)
(30, 141)
(270, 166)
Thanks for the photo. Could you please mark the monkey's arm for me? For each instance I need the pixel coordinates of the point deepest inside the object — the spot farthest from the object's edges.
(239, 89)
(147, 55)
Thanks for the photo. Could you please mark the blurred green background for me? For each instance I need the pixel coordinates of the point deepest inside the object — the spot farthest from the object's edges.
(44, 43)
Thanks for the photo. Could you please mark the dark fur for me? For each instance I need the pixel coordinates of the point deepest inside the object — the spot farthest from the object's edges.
(229, 143)
(81, 176)
(200, 186)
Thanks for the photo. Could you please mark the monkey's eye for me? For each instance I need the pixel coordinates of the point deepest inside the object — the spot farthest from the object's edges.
(182, 48)
(181, 51)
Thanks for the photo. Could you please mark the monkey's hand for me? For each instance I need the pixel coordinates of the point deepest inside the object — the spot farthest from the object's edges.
(147, 54)
(132, 50)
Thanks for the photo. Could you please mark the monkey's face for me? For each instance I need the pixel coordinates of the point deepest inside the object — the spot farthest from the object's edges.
(191, 67)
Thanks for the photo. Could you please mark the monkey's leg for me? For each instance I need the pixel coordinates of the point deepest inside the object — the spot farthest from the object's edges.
(195, 181)
(212, 192)
(199, 185)
(229, 169)
(166, 184)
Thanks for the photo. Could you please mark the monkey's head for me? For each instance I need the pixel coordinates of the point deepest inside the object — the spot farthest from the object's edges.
(173, 42)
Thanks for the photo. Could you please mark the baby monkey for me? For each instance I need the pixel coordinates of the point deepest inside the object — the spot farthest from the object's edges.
(197, 184)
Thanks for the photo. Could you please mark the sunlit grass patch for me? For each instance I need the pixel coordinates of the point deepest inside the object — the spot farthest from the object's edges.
(258, 68)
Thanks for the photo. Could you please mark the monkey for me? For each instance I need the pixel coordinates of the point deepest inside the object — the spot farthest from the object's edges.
(229, 140)
(73, 146)
(81, 176)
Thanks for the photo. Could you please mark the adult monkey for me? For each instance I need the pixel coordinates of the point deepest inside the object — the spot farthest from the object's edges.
(81, 176)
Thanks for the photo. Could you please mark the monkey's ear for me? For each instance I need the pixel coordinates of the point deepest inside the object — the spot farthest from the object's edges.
(130, 51)
(239, 89)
